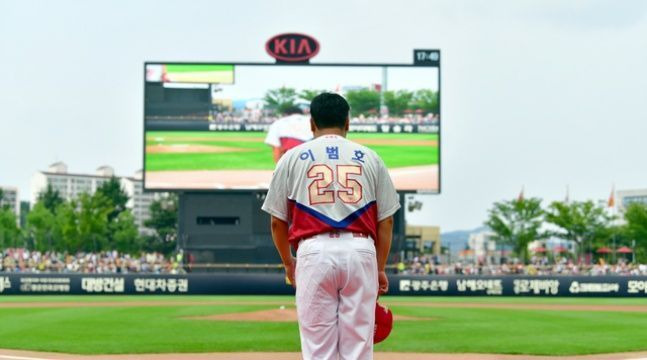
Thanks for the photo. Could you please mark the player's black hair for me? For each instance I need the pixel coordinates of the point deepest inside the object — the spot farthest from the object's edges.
(293, 110)
(329, 110)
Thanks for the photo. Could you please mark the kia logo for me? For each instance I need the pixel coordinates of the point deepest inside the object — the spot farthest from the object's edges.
(292, 47)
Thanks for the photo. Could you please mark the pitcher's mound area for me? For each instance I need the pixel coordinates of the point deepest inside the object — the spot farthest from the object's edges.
(277, 315)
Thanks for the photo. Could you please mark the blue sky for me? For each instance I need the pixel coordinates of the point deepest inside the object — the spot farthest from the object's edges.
(542, 94)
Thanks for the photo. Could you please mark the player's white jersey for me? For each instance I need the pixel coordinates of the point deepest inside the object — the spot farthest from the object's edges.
(288, 132)
(331, 184)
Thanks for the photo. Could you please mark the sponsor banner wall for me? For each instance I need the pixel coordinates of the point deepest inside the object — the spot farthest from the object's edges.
(134, 284)
(184, 125)
(577, 286)
(274, 284)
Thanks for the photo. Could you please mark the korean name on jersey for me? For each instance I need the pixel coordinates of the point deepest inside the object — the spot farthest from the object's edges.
(331, 184)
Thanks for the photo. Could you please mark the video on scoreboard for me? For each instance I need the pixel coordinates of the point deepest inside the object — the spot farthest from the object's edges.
(224, 126)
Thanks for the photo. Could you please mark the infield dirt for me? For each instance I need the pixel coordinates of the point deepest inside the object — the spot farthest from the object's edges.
(190, 139)
(186, 149)
(410, 177)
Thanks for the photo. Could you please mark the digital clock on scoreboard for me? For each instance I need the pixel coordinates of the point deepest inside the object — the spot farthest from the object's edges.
(426, 57)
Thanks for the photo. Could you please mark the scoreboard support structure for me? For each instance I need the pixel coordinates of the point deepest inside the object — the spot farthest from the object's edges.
(230, 228)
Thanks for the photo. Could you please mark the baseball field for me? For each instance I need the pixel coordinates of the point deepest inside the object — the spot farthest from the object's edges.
(264, 327)
(199, 159)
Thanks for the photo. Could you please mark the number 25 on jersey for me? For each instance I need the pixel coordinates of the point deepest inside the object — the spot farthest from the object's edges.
(350, 189)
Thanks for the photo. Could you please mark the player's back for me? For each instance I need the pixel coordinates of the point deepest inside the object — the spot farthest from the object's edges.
(333, 184)
(333, 194)
(289, 132)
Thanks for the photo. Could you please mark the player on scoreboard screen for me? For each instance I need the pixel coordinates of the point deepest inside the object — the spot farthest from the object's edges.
(289, 131)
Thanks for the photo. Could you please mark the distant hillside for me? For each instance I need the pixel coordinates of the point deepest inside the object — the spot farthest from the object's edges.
(456, 241)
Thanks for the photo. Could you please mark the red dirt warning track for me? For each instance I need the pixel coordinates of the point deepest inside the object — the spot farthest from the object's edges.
(289, 304)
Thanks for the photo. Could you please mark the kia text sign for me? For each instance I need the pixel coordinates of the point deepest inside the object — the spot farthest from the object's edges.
(292, 47)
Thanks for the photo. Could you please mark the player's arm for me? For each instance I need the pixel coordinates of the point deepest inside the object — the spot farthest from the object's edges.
(280, 238)
(387, 204)
(382, 248)
(277, 152)
(276, 204)
(272, 139)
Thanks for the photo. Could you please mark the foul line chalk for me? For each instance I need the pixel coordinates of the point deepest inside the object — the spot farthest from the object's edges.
(12, 357)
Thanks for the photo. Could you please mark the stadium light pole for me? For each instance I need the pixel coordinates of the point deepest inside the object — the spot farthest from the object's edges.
(613, 239)
(383, 88)
(613, 236)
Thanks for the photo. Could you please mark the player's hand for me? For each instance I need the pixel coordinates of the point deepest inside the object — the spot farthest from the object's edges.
(383, 282)
(289, 271)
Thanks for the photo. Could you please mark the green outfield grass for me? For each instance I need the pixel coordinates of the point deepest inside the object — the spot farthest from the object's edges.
(164, 328)
(254, 154)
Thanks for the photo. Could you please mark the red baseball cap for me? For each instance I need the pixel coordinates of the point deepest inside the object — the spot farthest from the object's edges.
(383, 323)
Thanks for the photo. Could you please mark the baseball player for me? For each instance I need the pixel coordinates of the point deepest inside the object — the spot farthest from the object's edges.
(333, 201)
(287, 132)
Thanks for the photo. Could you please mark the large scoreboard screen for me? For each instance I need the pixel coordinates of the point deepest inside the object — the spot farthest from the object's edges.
(211, 126)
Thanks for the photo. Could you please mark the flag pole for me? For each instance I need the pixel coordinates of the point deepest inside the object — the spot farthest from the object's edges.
(611, 205)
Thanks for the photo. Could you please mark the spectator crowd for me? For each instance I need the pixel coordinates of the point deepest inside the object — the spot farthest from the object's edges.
(108, 262)
(259, 117)
(428, 265)
(20, 260)
(253, 117)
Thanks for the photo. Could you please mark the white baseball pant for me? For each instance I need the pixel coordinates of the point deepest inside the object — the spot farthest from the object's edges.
(336, 280)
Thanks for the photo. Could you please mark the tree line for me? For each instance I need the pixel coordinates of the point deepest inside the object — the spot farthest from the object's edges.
(101, 221)
(516, 223)
(91, 223)
(364, 102)
(367, 101)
